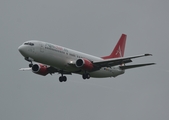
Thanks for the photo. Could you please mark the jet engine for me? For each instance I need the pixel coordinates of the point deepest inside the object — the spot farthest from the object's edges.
(84, 64)
(40, 69)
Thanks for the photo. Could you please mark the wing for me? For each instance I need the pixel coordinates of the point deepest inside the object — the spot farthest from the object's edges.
(117, 61)
(25, 69)
(51, 70)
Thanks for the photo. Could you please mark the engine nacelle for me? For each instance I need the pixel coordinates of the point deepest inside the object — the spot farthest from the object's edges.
(40, 69)
(84, 63)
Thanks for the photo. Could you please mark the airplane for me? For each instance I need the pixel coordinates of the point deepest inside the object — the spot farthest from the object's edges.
(51, 58)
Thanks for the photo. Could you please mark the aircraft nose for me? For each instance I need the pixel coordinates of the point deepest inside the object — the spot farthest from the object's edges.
(21, 49)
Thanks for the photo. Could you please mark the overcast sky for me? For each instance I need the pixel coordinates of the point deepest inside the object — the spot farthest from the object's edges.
(94, 27)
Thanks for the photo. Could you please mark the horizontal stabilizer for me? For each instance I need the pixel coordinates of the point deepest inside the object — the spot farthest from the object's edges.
(135, 66)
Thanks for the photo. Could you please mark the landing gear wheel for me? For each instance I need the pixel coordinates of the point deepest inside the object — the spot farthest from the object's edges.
(62, 78)
(30, 65)
(88, 76)
(84, 76)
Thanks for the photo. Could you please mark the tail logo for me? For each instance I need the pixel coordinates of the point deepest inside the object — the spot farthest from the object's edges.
(119, 52)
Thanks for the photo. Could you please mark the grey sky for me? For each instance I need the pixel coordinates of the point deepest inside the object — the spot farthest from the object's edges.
(92, 27)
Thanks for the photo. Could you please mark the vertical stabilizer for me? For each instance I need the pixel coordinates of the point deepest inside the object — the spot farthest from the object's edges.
(119, 48)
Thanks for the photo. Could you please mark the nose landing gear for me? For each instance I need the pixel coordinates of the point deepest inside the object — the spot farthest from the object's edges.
(31, 64)
(29, 60)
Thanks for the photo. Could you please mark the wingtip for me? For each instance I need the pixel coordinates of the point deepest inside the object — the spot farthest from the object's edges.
(148, 54)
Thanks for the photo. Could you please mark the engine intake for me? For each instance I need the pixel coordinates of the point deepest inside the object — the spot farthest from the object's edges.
(84, 64)
(40, 69)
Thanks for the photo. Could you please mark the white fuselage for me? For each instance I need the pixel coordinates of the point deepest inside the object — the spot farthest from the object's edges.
(62, 58)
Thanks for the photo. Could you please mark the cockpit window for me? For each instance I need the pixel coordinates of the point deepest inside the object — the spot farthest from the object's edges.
(29, 43)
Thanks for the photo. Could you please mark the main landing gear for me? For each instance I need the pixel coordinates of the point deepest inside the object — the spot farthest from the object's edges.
(86, 76)
(62, 78)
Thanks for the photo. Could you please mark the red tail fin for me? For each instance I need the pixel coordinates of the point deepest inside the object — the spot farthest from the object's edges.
(119, 48)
